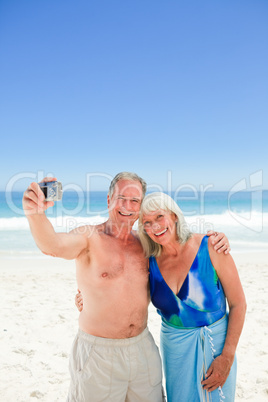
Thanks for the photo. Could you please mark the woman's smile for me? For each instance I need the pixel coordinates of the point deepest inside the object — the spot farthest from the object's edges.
(161, 233)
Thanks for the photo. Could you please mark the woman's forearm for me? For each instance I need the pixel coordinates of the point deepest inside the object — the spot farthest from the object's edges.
(235, 326)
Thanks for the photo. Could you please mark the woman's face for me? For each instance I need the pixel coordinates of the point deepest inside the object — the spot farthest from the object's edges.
(160, 226)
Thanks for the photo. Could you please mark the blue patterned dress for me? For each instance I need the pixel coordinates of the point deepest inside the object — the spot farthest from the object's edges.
(193, 331)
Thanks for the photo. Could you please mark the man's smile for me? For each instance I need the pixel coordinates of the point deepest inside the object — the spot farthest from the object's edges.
(124, 214)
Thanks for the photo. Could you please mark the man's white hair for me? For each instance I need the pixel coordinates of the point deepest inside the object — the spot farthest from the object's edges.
(127, 176)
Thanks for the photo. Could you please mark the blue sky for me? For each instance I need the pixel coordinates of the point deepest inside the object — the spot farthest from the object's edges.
(173, 90)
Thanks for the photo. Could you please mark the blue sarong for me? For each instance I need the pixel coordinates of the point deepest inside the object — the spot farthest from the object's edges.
(187, 355)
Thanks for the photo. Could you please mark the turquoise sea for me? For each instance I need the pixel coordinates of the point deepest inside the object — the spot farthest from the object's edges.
(242, 216)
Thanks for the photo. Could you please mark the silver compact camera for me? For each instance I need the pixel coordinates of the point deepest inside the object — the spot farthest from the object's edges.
(52, 190)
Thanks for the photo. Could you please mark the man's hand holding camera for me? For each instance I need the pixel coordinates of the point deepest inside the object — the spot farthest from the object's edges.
(34, 202)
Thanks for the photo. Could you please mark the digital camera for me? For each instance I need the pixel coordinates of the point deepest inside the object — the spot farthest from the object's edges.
(52, 190)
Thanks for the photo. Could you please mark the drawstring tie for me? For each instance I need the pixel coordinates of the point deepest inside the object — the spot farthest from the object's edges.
(208, 332)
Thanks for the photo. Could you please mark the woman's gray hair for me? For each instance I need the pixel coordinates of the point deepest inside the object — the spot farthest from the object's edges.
(127, 176)
(151, 203)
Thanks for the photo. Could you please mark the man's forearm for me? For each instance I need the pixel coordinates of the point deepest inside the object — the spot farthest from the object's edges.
(43, 233)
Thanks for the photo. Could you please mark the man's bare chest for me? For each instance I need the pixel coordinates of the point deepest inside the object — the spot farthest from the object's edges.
(110, 260)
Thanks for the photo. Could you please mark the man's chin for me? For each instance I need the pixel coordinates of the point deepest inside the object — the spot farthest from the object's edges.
(127, 219)
(129, 222)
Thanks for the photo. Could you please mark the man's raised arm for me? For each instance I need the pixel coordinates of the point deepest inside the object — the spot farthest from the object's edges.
(63, 245)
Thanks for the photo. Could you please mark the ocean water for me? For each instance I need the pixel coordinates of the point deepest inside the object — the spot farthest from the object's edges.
(242, 216)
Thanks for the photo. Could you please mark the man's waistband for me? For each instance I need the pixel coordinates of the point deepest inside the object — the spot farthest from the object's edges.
(96, 340)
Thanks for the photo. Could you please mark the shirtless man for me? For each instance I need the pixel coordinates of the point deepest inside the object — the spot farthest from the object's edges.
(114, 357)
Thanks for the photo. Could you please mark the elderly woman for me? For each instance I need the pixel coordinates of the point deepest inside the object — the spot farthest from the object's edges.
(189, 284)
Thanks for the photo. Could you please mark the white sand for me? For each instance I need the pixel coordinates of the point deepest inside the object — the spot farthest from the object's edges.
(39, 322)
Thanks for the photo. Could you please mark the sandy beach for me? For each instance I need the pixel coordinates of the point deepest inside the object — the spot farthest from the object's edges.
(39, 322)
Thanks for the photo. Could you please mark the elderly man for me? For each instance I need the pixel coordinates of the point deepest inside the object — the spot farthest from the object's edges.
(114, 357)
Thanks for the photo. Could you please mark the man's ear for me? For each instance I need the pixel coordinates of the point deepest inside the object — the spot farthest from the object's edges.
(108, 201)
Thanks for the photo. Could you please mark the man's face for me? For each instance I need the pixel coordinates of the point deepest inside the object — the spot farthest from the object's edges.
(124, 205)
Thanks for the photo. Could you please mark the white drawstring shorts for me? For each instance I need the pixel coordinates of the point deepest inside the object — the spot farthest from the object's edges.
(115, 370)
